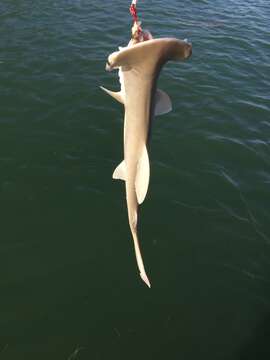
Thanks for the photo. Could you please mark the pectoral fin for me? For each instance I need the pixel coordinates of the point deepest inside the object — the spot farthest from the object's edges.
(120, 171)
(142, 176)
(116, 95)
(163, 103)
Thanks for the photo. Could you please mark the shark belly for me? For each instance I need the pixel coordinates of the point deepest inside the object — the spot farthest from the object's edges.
(137, 121)
(135, 140)
(137, 114)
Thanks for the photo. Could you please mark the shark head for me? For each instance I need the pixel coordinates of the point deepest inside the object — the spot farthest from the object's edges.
(148, 54)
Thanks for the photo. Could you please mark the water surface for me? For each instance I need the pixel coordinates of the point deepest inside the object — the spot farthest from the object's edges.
(68, 278)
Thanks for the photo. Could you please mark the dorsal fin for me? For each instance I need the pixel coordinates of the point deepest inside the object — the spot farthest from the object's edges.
(142, 176)
(163, 103)
(120, 171)
(117, 95)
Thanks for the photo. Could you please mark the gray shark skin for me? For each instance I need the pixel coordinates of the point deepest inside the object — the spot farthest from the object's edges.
(139, 67)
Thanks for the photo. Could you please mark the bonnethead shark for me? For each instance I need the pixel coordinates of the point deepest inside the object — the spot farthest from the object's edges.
(139, 66)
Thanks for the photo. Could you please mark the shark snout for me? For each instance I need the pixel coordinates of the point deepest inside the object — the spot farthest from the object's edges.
(183, 50)
(108, 66)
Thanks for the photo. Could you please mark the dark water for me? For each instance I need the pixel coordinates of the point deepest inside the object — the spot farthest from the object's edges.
(68, 278)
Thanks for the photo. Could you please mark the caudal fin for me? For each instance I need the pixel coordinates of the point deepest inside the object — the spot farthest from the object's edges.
(139, 259)
(145, 279)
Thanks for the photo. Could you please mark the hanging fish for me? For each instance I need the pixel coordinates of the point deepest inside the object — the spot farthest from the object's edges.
(139, 66)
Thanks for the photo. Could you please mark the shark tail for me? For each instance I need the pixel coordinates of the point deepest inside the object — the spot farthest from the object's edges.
(139, 259)
(117, 95)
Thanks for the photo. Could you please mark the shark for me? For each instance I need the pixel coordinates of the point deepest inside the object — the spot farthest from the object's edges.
(139, 65)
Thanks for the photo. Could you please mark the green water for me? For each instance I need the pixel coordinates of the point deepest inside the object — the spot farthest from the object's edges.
(68, 278)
